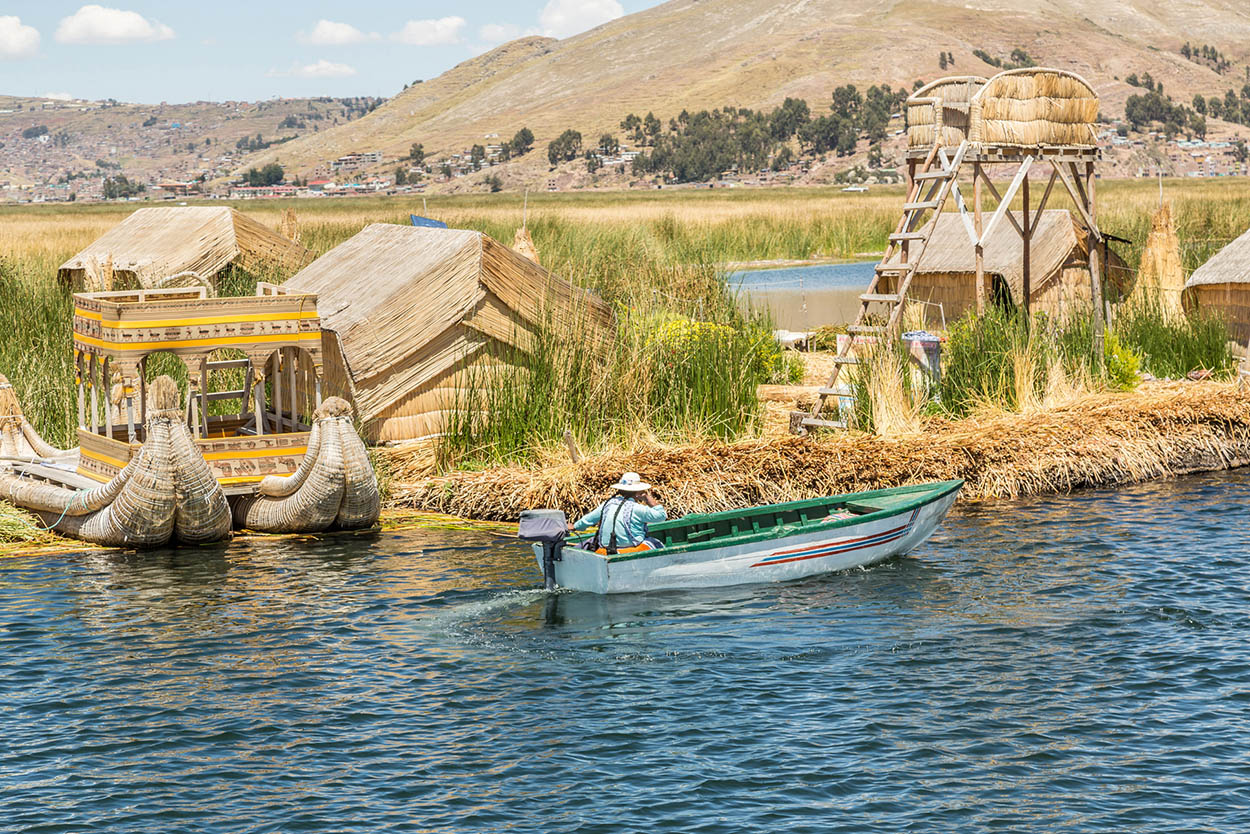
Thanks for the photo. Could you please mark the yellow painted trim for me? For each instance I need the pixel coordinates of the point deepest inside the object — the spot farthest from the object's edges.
(102, 458)
(87, 314)
(93, 476)
(255, 453)
(242, 480)
(196, 321)
(162, 344)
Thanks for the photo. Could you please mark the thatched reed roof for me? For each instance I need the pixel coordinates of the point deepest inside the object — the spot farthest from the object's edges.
(1230, 265)
(1058, 241)
(155, 243)
(407, 303)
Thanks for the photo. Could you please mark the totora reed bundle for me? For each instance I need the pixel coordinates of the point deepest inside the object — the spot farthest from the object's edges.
(1035, 106)
(1098, 440)
(945, 100)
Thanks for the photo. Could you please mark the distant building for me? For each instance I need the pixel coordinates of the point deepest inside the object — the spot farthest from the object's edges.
(178, 189)
(352, 161)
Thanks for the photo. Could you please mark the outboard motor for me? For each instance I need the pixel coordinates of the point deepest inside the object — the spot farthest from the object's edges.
(548, 527)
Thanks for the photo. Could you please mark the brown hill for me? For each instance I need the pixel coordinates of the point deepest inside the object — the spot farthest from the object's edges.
(710, 53)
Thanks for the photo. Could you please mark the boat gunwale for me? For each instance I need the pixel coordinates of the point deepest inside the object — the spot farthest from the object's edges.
(926, 494)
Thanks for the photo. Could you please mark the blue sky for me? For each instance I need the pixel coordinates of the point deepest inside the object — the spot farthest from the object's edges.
(135, 50)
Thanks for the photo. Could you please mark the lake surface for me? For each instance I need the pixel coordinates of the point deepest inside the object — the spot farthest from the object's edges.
(805, 297)
(1057, 664)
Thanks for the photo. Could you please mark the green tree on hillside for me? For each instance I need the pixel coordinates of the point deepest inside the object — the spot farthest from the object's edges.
(271, 174)
(522, 142)
(632, 126)
(565, 147)
(417, 153)
(652, 127)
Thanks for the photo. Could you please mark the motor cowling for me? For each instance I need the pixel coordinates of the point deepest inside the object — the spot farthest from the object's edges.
(547, 527)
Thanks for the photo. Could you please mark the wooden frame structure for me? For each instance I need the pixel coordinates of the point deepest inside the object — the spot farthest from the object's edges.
(274, 344)
(1074, 168)
(1017, 120)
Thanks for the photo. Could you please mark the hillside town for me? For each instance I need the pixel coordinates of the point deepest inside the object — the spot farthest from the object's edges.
(169, 156)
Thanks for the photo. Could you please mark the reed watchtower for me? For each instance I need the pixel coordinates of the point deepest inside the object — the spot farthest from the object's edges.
(968, 126)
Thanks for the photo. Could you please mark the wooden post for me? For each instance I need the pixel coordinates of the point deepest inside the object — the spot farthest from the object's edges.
(247, 391)
(978, 226)
(82, 394)
(129, 392)
(95, 401)
(143, 399)
(574, 454)
(203, 417)
(1026, 234)
(275, 375)
(108, 399)
(292, 392)
(259, 396)
(1095, 268)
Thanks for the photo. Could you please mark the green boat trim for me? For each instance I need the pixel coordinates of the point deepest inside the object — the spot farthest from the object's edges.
(734, 527)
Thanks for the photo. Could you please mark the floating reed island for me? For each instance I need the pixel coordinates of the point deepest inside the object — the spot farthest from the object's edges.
(1160, 430)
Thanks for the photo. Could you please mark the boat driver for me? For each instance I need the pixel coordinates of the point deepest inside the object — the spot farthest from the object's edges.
(624, 517)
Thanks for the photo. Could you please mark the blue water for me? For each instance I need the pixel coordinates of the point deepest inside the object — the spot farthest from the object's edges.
(852, 275)
(1049, 665)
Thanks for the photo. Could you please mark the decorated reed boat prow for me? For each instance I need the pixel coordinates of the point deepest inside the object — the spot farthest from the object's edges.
(770, 543)
(250, 443)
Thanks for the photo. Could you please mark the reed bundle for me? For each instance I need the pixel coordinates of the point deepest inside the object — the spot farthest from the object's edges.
(1097, 440)
(1161, 273)
(940, 110)
(1032, 107)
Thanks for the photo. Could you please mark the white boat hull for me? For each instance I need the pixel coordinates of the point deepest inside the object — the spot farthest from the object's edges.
(775, 560)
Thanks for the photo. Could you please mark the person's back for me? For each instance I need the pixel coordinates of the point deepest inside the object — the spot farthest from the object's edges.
(623, 518)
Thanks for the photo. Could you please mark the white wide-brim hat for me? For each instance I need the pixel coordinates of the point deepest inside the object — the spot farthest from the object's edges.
(631, 482)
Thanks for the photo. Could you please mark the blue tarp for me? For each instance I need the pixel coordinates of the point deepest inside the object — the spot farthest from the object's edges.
(418, 220)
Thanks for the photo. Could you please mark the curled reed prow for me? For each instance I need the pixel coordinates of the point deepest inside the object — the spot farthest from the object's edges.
(18, 438)
(334, 486)
(166, 492)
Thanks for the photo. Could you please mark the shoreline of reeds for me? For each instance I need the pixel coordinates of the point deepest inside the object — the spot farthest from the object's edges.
(1160, 430)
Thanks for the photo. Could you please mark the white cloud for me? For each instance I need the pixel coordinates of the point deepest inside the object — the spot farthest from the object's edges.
(16, 39)
(331, 33)
(444, 30)
(94, 24)
(561, 18)
(497, 33)
(321, 69)
(59, 96)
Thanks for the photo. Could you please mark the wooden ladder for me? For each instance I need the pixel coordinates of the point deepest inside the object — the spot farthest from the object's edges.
(935, 181)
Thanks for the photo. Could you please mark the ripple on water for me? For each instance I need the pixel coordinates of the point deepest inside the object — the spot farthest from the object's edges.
(1072, 663)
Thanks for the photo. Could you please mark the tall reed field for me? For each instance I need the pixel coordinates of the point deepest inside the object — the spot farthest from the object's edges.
(1001, 360)
(684, 360)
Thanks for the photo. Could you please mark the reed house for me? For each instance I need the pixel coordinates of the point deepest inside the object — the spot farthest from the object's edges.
(174, 246)
(1222, 285)
(412, 316)
(947, 276)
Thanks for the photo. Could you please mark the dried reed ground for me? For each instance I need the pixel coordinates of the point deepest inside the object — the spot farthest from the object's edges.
(1159, 430)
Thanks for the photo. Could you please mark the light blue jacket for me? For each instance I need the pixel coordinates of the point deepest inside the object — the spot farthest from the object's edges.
(631, 522)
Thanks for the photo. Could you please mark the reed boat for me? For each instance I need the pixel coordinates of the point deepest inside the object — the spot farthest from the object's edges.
(771, 543)
(246, 441)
